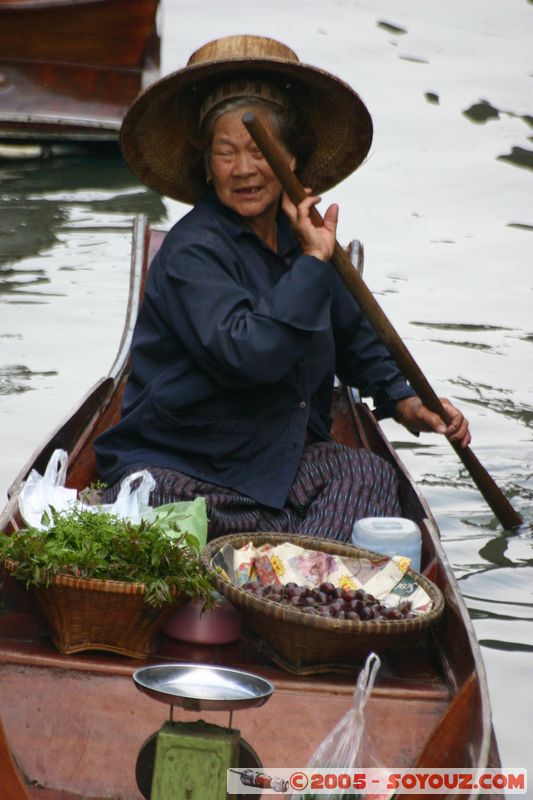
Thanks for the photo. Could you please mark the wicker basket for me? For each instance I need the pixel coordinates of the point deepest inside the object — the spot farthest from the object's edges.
(305, 644)
(90, 614)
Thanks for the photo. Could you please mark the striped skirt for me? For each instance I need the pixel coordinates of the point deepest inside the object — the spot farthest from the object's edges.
(334, 486)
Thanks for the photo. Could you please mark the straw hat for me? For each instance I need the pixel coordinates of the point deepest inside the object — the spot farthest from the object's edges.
(157, 130)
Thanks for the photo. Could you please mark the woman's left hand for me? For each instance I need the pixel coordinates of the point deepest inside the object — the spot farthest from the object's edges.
(317, 242)
(416, 417)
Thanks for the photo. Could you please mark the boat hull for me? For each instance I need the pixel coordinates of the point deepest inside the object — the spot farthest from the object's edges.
(111, 33)
(69, 71)
(94, 723)
(79, 722)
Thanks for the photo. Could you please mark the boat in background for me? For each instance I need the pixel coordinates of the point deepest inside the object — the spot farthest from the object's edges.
(69, 69)
(76, 722)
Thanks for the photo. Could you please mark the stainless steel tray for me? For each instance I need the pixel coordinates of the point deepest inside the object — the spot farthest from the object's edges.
(199, 687)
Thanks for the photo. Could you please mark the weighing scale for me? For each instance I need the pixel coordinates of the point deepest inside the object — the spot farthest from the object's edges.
(189, 760)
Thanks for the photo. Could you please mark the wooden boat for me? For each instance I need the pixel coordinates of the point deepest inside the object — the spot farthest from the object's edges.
(69, 69)
(77, 723)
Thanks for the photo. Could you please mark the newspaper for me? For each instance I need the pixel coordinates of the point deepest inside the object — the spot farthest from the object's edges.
(386, 579)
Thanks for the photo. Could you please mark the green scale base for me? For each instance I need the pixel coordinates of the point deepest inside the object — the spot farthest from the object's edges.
(192, 759)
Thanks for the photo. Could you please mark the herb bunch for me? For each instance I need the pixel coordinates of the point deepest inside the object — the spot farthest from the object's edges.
(96, 544)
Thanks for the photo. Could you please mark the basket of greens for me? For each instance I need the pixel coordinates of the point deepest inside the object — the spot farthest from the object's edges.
(104, 583)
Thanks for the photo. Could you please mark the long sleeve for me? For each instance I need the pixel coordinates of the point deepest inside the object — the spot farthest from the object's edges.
(233, 358)
(241, 332)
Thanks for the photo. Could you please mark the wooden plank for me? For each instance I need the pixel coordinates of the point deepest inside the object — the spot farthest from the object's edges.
(66, 96)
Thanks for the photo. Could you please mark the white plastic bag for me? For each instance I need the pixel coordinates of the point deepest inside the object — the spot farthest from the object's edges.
(348, 745)
(133, 504)
(42, 493)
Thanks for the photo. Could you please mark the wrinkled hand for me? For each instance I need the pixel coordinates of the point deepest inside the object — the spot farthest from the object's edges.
(416, 417)
(317, 242)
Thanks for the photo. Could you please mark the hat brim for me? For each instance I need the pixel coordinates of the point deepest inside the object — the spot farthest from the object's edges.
(156, 132)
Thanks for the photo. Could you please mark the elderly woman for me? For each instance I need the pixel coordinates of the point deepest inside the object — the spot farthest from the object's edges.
(245, 323)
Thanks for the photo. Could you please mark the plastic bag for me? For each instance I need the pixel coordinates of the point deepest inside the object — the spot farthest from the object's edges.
(187, 515)
(41, 493)
(133, 501)
(346, 746)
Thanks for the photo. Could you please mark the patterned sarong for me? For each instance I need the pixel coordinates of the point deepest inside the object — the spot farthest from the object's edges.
(333, 488)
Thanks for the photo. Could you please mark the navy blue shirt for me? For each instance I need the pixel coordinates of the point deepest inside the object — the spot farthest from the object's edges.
(234, 356)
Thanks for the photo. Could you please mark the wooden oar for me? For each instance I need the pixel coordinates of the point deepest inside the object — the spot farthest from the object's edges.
(277, 159)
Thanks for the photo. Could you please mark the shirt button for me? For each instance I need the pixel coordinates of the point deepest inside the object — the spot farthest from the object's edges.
(302, 404)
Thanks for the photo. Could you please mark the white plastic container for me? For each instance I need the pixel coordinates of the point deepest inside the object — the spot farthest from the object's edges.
(392, 536)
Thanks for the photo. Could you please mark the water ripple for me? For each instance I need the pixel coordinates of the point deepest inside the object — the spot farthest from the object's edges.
(15, 378)
(487, 397)
(503, 591)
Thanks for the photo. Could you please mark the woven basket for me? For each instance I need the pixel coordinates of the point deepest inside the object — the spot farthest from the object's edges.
(305, 644)
(90, 614)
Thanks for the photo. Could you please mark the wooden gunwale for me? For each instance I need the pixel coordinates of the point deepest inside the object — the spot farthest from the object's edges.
(441, 688)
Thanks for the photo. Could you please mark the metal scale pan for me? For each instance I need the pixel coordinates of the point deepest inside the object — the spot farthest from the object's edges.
(203, 687)
(198, 687)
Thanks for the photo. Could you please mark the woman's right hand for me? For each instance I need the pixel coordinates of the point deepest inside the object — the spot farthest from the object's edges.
(416, 417)
(317, 242)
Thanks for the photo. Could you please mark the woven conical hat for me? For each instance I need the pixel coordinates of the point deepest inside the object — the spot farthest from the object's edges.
(157, 129)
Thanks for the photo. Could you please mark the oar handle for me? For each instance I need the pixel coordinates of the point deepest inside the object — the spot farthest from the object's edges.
(277, 159)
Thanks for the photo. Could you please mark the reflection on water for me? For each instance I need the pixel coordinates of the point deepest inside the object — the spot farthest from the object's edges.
(65, 239)
(493, 552)
(512, 647)
(414, 59)
(481, 112)
(37, 200)
(501, 401)
(15, 378)
(67, 174)
(390, 28)
(520, 157)
(520, 226)
(484, 111)
(504, 592)
(17, 281)
(463, 326)
(26, 227)
(473, 345)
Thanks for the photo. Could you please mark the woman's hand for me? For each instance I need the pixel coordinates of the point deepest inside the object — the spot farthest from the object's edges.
(416, 417)
(317, 242)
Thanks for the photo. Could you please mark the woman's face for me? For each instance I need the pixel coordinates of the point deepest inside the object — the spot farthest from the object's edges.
(241, 177)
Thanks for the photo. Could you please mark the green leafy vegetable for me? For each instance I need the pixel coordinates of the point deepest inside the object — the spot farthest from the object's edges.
(96, 544)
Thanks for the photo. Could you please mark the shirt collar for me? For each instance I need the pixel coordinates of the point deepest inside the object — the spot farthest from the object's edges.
(287, 241)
